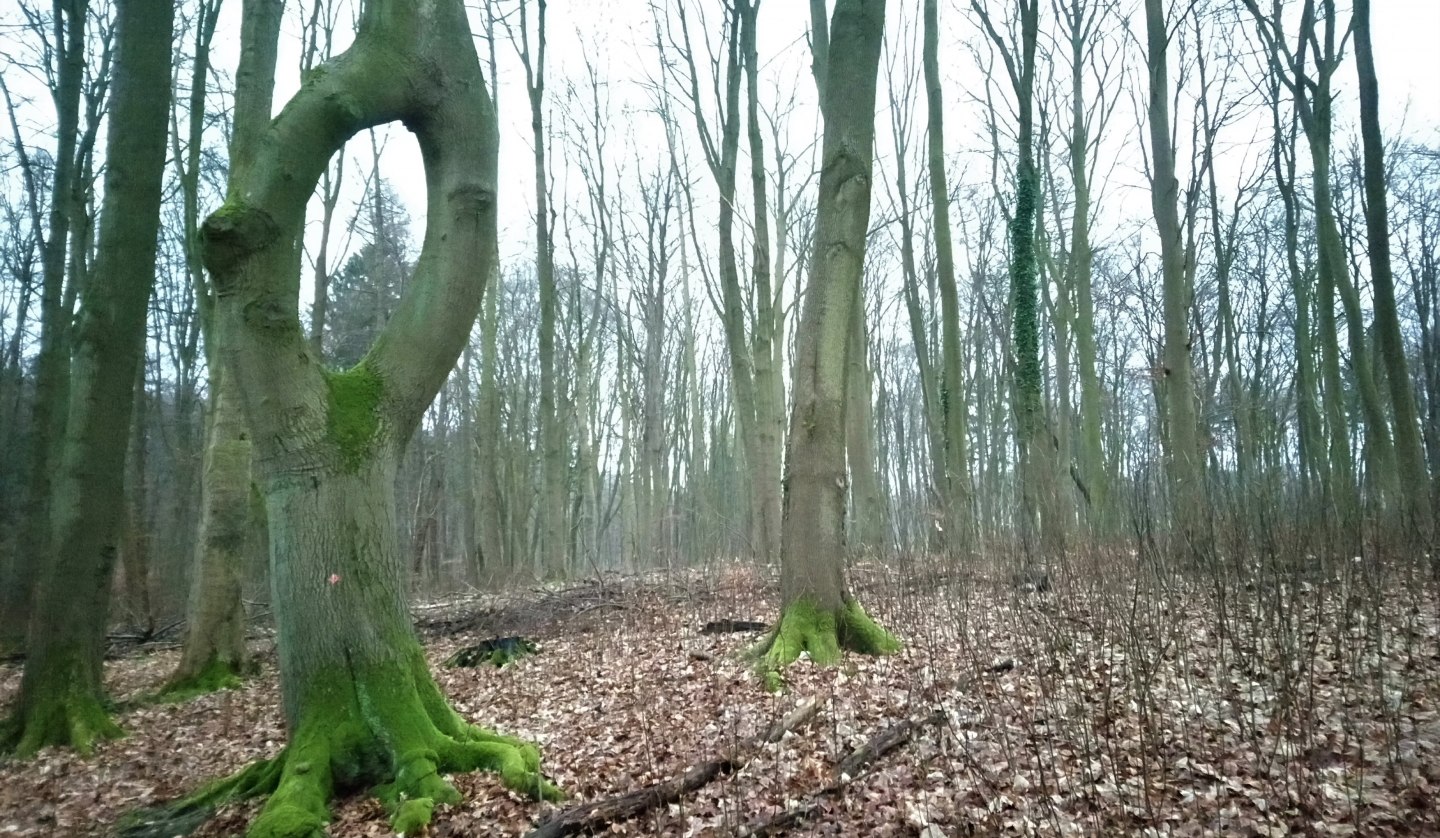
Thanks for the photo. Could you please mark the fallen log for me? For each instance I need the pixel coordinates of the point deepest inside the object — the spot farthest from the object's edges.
(595, 815)
(850, 768)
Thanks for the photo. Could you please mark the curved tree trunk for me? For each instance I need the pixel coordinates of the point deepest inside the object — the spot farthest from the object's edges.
(361, 708)
(1409, 454)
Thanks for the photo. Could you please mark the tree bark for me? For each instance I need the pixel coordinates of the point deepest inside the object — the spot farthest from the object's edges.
(361, 708)
(1409, 453)
(61, 693)
(1185, 464)
(954, 478)
(867, 501)
(47, 418)
(214, 653)
(818, 615)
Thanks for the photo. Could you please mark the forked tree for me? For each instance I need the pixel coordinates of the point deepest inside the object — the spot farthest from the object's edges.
(361, 707)
(818, 614)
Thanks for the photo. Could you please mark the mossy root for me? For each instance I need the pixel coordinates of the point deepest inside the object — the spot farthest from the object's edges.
(215, 676)
(396, 735)
(73, 719)
(822, 633)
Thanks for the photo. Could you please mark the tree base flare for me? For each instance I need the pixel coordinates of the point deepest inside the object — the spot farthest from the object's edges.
(823, 634)
(215, 676)
(376, 729)
(73, 719)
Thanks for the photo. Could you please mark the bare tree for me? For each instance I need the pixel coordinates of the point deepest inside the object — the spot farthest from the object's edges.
(818, 615)
(61, 699)
(327, 444)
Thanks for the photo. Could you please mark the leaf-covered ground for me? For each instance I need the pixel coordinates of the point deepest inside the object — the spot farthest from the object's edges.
(1098, 707)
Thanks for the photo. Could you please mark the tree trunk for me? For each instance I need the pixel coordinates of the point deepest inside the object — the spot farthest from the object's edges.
(361, 708)
(214, 655)
(765, 335)
(954, 478)
(867, 502)
(1409, 454)
(818, 615)
(135, 537)
(61, 694)
(1090, 455)
(1185, 465)
(47, 418)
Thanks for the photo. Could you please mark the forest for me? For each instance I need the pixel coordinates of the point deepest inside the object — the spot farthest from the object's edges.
(719, 418)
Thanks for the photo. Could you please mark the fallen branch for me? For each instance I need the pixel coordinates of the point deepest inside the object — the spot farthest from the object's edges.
(850, 768)
(593, 816)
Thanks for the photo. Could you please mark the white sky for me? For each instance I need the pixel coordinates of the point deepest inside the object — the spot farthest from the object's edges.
(617, 37)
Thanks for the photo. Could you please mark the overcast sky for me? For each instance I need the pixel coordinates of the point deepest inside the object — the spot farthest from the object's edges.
(617, 37)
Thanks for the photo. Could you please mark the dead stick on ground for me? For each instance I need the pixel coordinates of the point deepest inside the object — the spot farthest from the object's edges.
(587, 817)
(849, 769)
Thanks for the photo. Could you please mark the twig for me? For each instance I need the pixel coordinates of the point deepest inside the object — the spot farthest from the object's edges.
(589, 817)
(849, 769)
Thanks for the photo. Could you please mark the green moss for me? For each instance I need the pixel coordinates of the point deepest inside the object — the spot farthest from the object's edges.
(386, 728)
(232, 210)
(70, 718)
(299, 806)
(823, 634)
(353, 412)
(412, 816)
(858, 632)
(216, 675)
(803, 628)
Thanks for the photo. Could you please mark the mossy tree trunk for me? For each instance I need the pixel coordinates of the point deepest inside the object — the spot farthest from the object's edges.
(214, 654)
(1037, 446)
(60, 694)
(47, 416)
(361, 708)
(818, 615)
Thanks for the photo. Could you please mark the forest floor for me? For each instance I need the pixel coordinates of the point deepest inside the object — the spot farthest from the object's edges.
(1108, 707)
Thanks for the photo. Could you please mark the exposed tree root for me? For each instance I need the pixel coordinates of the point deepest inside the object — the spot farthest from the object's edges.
(375, 729)
(822, 633)
(850, 768)
(589, 818)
